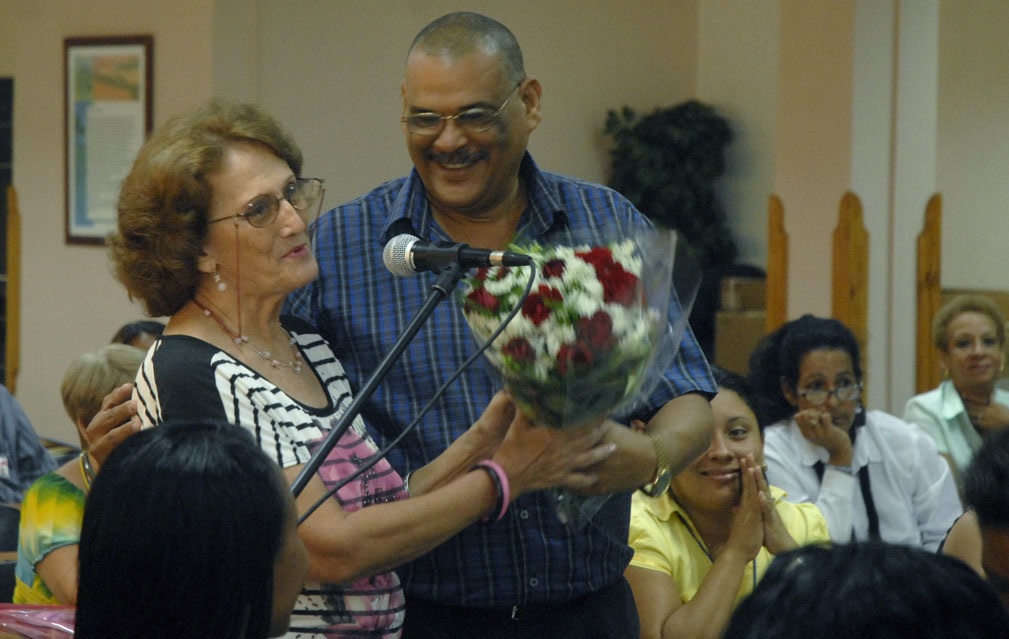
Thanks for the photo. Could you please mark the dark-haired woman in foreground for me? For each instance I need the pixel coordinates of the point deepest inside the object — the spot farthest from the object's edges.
(189, 531)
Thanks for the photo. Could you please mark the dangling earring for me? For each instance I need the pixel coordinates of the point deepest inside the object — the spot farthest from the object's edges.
(221, 284)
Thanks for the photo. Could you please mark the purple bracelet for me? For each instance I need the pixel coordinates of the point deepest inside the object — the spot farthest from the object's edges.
(500, 478)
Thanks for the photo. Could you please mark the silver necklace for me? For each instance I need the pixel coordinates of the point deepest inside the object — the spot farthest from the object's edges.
(240, 340)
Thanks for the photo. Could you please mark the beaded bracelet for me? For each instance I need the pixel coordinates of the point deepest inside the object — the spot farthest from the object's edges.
(500, 478)
(86, 470)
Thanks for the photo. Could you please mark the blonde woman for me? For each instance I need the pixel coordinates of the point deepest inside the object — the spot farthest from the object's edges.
(969, 333)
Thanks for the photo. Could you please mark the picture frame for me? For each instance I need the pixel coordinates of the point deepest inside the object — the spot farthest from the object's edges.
(108, 89)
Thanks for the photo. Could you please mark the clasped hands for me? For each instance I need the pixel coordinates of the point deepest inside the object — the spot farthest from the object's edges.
(757, 523)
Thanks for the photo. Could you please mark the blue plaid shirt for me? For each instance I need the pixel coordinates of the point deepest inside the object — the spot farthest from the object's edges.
(529, 556)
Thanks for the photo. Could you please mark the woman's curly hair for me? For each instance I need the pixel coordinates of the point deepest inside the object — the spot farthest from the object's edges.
(777, 357)
(165, 200)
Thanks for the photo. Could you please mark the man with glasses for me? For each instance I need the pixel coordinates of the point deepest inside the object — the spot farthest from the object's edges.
(468, 110)
(873, 475)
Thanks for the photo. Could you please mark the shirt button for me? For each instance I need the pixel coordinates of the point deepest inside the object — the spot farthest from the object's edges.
(534, 582)
(523, 514)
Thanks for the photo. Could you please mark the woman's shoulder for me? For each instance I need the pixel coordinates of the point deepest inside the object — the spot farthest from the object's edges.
(929, 397)
(299, 325)
(52, 486)
(780, 433)
(897, 434)
(804, 520)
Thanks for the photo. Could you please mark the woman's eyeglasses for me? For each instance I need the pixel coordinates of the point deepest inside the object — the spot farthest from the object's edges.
(845, 392)
(304, 194)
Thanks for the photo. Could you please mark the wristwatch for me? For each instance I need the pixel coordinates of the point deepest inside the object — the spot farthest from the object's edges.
(663, 473)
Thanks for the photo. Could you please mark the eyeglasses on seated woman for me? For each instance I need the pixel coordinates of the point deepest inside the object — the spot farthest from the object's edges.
(873, 476)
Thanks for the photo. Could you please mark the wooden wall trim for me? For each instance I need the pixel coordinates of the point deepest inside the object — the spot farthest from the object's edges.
(929, 295)
(777, 266)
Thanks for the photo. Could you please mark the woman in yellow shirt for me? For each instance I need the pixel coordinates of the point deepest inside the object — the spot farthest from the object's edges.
(702, 545)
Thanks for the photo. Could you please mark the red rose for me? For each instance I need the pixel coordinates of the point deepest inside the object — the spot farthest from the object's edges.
(596, 331)
(481, 273)
(520, 350)
(554, 268)
(535, 309)
(573, 357)
(619, 286)
(598, 256)
(538, 305)
(480, 298)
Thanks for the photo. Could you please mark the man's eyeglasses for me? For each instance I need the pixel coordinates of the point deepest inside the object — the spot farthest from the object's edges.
(475, 120)
(304, 194)
(845, 392)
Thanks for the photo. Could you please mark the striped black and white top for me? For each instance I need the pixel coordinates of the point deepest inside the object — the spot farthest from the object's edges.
(184, 377)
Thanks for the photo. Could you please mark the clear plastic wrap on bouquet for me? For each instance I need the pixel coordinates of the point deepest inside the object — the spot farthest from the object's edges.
(602, 321)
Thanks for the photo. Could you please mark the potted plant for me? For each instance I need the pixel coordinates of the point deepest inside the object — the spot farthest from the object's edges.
(667, 164)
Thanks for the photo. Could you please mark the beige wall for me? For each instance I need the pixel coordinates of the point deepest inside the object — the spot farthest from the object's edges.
(331, 70)
(973, 134)
(334, 73)
(70, 302)
(810, 88)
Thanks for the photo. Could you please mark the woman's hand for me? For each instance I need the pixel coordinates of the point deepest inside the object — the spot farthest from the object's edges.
(747, 534)
(817, 427)
(777, 539)
(490, 429)
(537, 457)
(984, 413)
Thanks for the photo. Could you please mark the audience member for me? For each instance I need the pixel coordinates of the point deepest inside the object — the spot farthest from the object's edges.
(981, 537)
(873, 475)
(213, 232)
(705, 543)
(140, 334)
(468, 111)
(23, 457)
(969, 333)
(868, 590)
(189, 531)
(46, 571)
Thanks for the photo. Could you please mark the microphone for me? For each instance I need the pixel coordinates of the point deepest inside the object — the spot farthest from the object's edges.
(407, 254)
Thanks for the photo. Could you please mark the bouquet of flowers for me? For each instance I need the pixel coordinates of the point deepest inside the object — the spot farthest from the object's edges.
(589, 334)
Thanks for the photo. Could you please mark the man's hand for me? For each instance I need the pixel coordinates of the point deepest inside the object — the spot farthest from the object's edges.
(111, 425)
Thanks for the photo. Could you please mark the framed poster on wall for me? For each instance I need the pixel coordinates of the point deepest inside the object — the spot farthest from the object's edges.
(108, 92)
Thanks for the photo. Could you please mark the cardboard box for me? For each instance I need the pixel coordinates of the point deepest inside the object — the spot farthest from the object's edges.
(736, 335)
(743, 294)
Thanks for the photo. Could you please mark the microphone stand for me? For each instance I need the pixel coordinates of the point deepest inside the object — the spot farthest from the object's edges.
(445, 284)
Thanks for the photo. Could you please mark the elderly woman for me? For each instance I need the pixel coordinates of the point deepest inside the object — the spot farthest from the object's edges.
(703, 545)
(970, 334)
(872, 475)
(213, 231)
